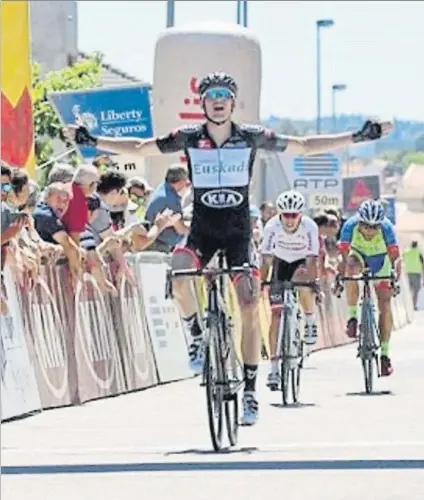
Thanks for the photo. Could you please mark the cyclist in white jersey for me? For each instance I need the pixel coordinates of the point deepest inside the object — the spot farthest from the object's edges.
(291, 246)
(220, 159)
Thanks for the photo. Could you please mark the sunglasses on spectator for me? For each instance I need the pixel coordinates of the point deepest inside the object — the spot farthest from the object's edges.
(290, 215)
(138, 199)
(218, 93)
(370, 226)
(6, 187)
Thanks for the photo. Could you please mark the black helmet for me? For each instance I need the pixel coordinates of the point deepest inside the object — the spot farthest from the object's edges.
(217, 79)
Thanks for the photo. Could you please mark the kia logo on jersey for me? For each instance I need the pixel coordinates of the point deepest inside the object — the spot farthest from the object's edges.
(222, 198)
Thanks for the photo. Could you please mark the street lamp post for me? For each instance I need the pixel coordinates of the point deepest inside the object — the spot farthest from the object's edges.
(170, 13)
(337, 87)
(242, 12)
(321, 23)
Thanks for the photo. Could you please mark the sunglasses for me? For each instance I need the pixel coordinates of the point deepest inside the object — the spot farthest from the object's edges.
(370, 226)
(139, 200)
(290, 215)
(6, 187)
(218, 93)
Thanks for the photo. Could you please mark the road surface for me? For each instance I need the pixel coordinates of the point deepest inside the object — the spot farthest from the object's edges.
(338, 445)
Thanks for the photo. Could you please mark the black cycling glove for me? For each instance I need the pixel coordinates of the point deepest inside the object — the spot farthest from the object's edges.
(83, 137)
(370, 131)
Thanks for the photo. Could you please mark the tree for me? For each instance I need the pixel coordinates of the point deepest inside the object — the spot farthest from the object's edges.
(83, 74)
(419, 143)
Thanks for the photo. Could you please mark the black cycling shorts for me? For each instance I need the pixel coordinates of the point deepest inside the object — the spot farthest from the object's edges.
(237, 249)
(282, 271)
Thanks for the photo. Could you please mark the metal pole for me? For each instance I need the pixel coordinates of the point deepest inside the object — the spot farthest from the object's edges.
(245, 13)
(170, 13)
(238, 11)
(333, 108)
(318, 43)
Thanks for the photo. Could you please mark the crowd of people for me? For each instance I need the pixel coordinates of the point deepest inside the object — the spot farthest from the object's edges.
(90, 215)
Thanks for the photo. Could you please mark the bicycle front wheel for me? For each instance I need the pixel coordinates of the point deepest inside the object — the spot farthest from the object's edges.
(368, 367)
(285, 361)
(214, 379)
(367, 347)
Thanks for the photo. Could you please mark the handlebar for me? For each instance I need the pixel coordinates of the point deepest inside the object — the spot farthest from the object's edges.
(209, 273)
(291, 285)
(366, 277)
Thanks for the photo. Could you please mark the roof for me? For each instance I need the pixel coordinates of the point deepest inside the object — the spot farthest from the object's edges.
(113, 76)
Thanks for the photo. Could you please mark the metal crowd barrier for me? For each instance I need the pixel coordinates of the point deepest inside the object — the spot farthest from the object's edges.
(62, 345)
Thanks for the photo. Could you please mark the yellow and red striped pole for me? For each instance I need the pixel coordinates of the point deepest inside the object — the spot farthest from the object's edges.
(17, 130)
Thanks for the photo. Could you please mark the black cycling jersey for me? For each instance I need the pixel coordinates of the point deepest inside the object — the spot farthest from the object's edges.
(221, 176)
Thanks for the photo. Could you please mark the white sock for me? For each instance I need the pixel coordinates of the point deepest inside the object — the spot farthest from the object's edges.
(275, 370)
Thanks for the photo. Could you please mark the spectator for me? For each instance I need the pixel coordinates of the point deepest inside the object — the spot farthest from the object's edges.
(48, 224)
(140, 235)
(109, 190)
(84, 184)
(95, 252)
(20, 189)
(340, 218)
(104, 162)
(325, 225)
(414, 266)
(139, 191)
(124, 212)
(6, 185)
(256, 225)
(61, 172)
(268, 211)
(168, 196)
(12, 222)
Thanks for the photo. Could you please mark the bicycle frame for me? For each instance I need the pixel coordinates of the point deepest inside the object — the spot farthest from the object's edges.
(369, 334)
(221, 367)
(289, 341)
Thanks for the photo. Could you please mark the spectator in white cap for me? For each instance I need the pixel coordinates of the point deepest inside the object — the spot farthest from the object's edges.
(84, 184)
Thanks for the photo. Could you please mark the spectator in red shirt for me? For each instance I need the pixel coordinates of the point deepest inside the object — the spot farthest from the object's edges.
(84, 184)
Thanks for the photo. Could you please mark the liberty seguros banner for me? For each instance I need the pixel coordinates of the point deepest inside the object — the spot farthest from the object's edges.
(106, 111)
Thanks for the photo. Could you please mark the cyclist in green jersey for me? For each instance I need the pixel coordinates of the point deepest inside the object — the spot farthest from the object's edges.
(368, 239)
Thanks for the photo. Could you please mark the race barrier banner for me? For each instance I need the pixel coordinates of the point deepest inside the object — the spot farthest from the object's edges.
(64, 345)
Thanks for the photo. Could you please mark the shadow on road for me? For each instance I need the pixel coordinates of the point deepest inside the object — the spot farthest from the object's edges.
(225, 451)
(212, 466)
(292, 406)
(375, 393)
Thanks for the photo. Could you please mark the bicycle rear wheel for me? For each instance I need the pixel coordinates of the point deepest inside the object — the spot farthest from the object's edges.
(214, 386)
(285, 362)
(295, 375)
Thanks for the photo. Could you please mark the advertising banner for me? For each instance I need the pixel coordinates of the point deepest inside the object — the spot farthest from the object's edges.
(17, 132)
(106, 111)
(317, 177)
(358, 189)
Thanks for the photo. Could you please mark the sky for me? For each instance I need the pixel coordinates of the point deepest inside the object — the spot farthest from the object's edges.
(375, 48)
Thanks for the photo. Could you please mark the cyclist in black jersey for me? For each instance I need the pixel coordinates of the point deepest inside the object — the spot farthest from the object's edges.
(220, 156)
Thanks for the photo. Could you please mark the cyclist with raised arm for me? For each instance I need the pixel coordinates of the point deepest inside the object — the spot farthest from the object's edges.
(368, 239)
(220, 157)
(291, 246)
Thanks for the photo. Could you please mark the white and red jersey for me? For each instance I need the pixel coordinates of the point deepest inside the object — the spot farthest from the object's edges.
(289, 247)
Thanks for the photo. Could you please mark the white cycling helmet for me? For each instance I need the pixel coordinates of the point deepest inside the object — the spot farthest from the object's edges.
(290, 202)
(371, 212)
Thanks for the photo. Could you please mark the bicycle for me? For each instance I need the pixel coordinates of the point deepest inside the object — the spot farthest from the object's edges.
(222, 372)
(369, 333)
(290, 346)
